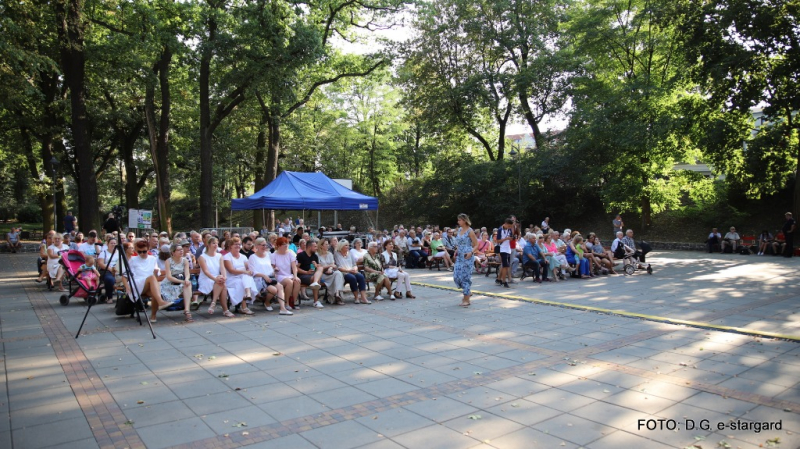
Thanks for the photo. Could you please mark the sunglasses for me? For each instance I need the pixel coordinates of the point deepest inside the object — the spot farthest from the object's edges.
(141, 252)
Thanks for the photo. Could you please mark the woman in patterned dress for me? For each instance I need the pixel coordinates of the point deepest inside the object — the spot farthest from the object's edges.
(465, 243)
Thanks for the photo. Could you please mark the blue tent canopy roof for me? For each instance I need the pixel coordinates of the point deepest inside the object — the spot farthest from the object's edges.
(307, 191)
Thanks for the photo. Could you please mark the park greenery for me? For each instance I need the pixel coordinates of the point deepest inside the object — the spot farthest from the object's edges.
(180, 106)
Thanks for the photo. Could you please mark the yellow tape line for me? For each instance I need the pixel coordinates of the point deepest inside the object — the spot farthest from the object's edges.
(662, 319)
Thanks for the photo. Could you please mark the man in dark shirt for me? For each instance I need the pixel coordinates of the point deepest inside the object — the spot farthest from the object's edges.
(111, 224)
(788, 233)
(307, 263)
(69, 222)
(297, 236)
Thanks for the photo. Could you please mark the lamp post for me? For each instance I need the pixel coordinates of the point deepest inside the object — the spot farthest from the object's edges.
(54, 166)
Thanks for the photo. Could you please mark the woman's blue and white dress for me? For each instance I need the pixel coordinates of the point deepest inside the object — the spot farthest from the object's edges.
(462, 274)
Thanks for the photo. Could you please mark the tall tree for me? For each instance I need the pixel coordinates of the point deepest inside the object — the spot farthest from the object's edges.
(746, 55)
(528, 34)
(72, 23)
(301, 57)
(458, 78)
(628, 122)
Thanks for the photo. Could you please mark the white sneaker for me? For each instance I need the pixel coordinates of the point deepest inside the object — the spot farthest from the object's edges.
(285, 312)
(269, 308)
(315, 286)
(319, 305)
(378, 298)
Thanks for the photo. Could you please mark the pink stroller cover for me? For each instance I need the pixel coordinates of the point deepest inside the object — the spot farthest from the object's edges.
(73, 260)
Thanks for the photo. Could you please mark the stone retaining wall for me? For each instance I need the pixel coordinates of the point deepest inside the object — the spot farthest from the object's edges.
(26, 248)
(674, 246)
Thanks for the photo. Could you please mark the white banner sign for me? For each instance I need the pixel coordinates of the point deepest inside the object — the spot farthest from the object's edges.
(140, 218)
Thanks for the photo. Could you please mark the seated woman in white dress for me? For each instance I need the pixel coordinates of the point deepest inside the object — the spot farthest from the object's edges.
(240, 278)
(143, 273)
(212, 277)
(331, 275)
(392, 269)
(357, 252)
(54, 268)
(264, 276)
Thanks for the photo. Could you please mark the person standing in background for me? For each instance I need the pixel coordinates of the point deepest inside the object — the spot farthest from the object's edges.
(70, 222)
(618, 224)
(788, 234)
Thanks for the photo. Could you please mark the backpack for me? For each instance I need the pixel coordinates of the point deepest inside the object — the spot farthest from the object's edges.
(124, 306)
(619, 253)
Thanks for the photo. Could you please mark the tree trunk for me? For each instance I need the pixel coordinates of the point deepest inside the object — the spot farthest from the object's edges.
(159, 138)
(417, 138)
(45, 196)
(273, 152)
(131, 178)
(260, 166)
(526, 111)
(206, 133)
(71, 27)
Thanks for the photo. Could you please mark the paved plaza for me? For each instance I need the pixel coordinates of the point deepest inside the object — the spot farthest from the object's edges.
(597, 363)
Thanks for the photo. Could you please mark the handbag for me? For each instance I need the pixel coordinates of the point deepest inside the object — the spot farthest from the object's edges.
(390, 272)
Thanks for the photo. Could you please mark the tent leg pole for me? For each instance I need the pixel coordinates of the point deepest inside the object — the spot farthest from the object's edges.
(376, 220)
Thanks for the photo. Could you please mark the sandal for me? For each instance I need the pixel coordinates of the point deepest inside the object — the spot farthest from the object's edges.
(246, 311)
(212, 307)
(228, 314)
(409, 295)
(195, 305)
(188, 318)
(398, 295)
(339, 302)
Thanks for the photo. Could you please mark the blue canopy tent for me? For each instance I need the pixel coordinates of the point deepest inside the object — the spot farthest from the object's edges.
(305, 191)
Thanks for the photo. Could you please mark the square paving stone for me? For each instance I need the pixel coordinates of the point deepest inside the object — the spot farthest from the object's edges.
(186, 390)
(608, 414)
(156, 394)
(590, 388)
(666, 390)
(441, 409)
(517, 386)
(342, 397)
(383, 444)
(293, 408)
(444, 437)
(386, 387)
(726, 405)
(229, 421)
(621, 439)
(293, 441)
(574, 429)
(49, 434)
(38, 398)
(482, 397)
(643, 402)
(175, 432)
(559, 399)
(217, 402)
(58, 411)
(524, 412)
(488, 427)
(269, 393)
(530, 438)
(394, 422)
(342, 435)
(151, 415)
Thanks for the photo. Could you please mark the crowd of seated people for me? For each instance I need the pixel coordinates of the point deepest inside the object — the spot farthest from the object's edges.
(230, 270)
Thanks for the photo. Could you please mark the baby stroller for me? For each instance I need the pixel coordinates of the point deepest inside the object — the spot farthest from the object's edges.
(631, 257)
(77, 287)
